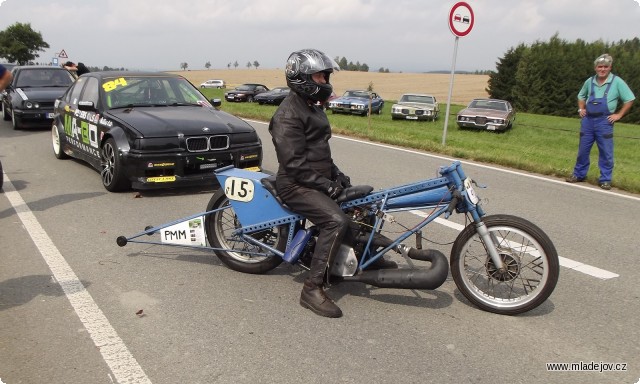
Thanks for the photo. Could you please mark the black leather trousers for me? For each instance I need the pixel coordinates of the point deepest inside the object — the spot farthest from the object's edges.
(325, 214)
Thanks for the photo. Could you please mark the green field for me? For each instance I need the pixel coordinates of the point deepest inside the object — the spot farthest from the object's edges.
(545, 145)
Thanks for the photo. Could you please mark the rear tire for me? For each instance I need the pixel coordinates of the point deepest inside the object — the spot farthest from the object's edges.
(220, 226)
(529, 255)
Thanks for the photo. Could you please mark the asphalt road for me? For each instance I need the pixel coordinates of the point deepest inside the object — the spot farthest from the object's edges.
(204, 323)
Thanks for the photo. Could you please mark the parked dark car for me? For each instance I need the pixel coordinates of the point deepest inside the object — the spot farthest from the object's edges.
(357, 103)
(272, 97)
(245, 92)
(146, 130)
(28, 101)
(489, 114)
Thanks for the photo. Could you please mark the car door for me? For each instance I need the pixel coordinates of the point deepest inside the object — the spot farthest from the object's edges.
(81, 119)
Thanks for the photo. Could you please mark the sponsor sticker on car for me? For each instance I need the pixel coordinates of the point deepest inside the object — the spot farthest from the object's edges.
(161, 179)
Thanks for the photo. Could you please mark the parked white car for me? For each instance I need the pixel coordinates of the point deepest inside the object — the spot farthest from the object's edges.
(213, 84)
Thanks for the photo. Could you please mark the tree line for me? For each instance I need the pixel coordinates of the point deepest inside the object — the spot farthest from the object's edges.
(545, 77)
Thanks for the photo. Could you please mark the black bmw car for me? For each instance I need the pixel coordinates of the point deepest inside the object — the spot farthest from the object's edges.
(272, 97)
(28, 101)
(245, 92)
(146, 130)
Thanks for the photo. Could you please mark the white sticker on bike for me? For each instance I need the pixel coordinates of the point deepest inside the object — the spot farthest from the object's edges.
(239, 189)
(470, 191)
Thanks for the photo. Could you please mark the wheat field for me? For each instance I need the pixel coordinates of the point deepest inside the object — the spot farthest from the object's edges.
(390, 86)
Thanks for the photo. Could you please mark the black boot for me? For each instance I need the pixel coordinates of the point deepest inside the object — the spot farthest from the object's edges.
(314, 298)
(383, 263)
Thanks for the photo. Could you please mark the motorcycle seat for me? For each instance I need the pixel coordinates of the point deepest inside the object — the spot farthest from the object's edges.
(353, 192)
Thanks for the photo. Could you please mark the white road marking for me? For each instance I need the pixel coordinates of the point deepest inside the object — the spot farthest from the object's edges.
(567, 263)
(123, 365)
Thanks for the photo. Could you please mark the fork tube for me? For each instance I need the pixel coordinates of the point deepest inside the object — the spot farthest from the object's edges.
(489, 245)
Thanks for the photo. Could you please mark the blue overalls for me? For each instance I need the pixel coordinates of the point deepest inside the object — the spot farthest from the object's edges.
(595, 127)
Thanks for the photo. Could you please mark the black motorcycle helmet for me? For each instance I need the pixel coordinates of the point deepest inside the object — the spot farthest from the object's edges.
(304, 63)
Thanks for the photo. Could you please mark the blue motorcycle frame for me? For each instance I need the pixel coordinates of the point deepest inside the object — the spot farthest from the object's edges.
(501, 263)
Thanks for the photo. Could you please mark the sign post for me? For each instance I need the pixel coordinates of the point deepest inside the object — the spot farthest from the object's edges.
(461, 21)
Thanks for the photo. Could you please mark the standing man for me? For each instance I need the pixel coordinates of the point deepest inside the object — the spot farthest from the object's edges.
(308, 181)
(5, 78)
(597, 104)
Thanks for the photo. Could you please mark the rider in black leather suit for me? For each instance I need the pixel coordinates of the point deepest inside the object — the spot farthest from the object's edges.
(308, 181)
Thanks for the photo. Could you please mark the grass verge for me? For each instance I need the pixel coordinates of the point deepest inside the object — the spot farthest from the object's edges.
(546, 145)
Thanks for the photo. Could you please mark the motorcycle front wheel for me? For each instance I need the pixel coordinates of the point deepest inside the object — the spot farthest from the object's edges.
(530, 259)
(233, 251)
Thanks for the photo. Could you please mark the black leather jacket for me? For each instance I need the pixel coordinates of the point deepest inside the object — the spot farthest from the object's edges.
(300, 132)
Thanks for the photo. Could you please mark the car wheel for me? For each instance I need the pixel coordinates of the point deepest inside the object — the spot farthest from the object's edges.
(15, 121)
(57, 142)
(202, 86)
(5, 113)
(379, 112)
(249, 99)
(112, 174)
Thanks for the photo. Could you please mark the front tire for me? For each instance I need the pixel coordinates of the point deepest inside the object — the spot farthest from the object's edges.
(529, 255)
(112, 174)
(15, 121)
(57, 142)
(220, 226)
(5, 114)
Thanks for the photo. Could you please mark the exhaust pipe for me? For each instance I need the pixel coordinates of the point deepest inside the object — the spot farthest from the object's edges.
(429, 278)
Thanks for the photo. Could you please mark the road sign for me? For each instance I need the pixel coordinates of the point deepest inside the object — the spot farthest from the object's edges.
(63, 54)
(54, 61)
(461, 19)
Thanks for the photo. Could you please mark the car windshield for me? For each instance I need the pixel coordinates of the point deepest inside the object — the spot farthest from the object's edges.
(140, 91)
(43, 77)
(361, 94)
(245, 87)
(489, 104)
(417, 99)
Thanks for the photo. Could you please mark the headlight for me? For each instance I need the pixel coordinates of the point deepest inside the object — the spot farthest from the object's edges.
(30, 105)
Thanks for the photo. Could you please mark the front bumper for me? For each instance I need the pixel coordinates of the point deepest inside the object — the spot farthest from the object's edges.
(34, 117)
(162, 170)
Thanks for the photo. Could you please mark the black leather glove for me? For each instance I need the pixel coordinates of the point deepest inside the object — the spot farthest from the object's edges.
(343, 180)
(334, 190)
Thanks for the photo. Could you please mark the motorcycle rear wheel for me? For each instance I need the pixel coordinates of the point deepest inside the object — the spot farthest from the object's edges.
(220, 226)
(531, 261)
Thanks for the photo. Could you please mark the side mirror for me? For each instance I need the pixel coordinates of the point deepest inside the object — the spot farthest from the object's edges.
(216, 102)
(86, 106)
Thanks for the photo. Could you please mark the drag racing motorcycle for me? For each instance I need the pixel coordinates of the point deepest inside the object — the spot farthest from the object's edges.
(501, 263)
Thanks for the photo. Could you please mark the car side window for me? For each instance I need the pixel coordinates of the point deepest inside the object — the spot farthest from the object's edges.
(74, 95)
(91, 92)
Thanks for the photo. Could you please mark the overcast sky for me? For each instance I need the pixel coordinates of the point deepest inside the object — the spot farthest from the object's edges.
(401, 35)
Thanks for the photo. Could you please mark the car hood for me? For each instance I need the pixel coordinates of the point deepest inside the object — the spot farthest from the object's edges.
(484, 112)
(416, 105)
(351, 100)
(41, 93)
(186, 120)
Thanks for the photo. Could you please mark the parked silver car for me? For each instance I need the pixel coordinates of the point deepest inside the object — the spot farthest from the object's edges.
(213, 84)
(413, 106)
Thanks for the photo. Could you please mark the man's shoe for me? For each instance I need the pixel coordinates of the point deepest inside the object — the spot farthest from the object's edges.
(605, 185)
(314, 298)
(383, 263)
(574, 179)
